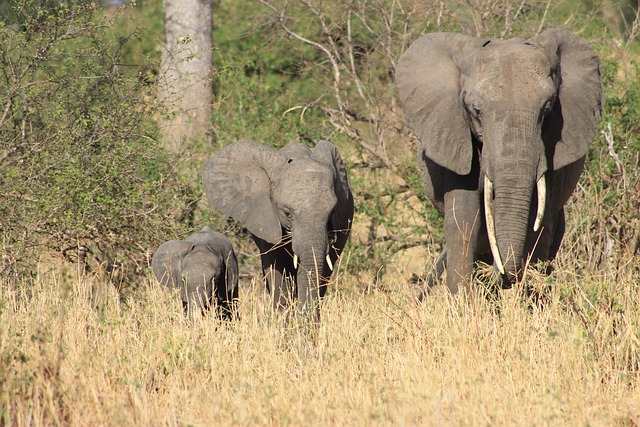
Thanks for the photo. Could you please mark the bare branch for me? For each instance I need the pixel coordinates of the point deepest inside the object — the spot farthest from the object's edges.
(544, 17)
(352, 62)
(608, 137)
(282, 20)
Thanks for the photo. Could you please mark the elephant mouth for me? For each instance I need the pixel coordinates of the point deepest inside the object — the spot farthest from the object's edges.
(541, 187)
(296, 261)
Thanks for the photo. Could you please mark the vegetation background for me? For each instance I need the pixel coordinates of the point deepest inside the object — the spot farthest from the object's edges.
(88, 192)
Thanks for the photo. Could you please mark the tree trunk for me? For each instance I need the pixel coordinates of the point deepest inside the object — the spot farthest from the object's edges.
(185, 88)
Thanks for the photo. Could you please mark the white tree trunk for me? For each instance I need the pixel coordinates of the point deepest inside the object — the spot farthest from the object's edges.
(185, 87)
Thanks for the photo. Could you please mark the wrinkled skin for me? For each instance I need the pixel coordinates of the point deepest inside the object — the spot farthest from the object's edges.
(296, 203)
(494, 117)
(203, 267)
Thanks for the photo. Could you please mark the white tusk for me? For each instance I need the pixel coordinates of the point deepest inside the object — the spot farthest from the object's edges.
(542, 198)
(295, 261)
(329, 263)
(491, 229)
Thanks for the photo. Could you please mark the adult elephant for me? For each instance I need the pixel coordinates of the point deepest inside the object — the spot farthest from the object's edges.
(204, 267)
(297, 204)
(504, 126)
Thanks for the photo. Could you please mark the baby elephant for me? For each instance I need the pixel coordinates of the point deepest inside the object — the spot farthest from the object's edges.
(203, 266)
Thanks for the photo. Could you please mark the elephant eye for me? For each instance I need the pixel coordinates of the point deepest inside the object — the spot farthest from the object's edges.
(472, 105)
(548, 106)
(287, 212)
(475, 110)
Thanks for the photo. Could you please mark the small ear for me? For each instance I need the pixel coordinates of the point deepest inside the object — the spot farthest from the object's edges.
(167, 262)
(236, 181)
(428, 85)
(325, 152)
(571, 125)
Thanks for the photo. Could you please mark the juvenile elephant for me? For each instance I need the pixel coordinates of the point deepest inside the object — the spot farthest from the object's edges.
(504, 126)
(298, 206)
(203, 267)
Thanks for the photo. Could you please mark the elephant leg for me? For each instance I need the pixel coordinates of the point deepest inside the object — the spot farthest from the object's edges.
(558, 235)
(435, 275)
(281, 285)
(545, 250)
(279, 281)
(462, 224)
(197, 302)
(227, 300)
(545, 245)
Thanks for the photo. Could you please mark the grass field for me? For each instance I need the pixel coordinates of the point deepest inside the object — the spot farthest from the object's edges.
(73, 354)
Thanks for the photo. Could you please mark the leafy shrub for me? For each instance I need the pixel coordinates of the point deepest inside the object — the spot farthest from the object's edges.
(82, 171)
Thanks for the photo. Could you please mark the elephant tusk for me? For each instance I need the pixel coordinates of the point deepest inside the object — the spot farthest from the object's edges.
(329, 263)
(542, 198)
(491, 229)
(295, 261)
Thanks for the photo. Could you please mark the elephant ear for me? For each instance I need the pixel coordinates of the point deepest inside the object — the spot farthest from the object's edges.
(236, 181)
(572, 123)
(167, 262)
(428, 85)
(325, 152)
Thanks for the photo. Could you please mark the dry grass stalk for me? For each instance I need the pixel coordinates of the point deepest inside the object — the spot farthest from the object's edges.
(376, 358)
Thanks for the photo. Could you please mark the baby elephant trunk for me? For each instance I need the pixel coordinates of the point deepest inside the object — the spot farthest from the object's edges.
(196, 294)
(313, 270)
(199, 272)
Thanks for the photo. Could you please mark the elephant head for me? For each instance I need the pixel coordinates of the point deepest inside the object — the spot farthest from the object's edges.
(297, 204)
(202, 267)
(524, 109)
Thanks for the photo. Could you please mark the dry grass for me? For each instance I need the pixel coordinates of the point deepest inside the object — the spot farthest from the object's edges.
(74, 356)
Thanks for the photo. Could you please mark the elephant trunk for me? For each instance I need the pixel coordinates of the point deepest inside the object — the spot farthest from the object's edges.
(511, 218)
(197, 291)
(508, 198)
(312, 267)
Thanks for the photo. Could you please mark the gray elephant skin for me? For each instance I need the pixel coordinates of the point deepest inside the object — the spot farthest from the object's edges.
(504, 127)
(297, 204)
(203, 267)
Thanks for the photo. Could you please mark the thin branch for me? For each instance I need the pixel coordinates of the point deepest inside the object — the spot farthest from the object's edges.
(352, 62)
(282, 20)
(509, 22)
(608, 137)
(544, 17)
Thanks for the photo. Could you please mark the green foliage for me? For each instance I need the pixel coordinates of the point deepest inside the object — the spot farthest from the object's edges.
(612, 163)
(260, 93)
(81, 167)
(622, 102)
(254, 104)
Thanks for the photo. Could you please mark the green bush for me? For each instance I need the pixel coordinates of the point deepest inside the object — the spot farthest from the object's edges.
(82, 170)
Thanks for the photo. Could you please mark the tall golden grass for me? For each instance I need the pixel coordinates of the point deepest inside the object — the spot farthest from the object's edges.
(72, 353)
